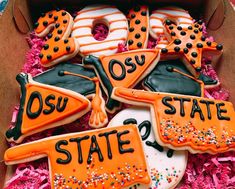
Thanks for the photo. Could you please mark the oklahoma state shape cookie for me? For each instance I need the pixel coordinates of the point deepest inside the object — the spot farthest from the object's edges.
(122, 69)
(166, 166)
(59, 46)
(180, 122)
(43, 107)
(105, 158)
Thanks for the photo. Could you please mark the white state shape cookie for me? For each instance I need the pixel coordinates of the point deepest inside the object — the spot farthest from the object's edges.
(88, 17)
(166, 172)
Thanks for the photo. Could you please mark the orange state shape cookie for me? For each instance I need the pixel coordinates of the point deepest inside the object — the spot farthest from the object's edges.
(139, 27)
(59, 46)
(122, 69)
(104, 158)
(181, 122)
(43, 107)
(190, 45)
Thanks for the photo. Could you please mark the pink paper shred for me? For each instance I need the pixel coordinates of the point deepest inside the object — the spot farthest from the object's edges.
(203, 170)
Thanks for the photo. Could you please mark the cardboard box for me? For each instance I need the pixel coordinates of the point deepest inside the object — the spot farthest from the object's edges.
(218, 14)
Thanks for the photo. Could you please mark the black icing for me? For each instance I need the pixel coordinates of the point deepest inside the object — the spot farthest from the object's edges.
(74, 83)
(121, 143)
(161, 80)
(106, 135)
(94, 147)
(63, 151)
(16, 131)
(78, 140)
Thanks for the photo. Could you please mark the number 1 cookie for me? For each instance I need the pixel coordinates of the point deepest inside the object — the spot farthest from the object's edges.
(139, 27)
(59, 46)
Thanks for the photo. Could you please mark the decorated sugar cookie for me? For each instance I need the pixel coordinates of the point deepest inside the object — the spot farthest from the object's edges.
(43, 107)
(181, 122)
(177, 15)
(104, 158)
(59, 46)
(81, 80)
(189, 45)
(94, 14)
(122, 69)
(139, 27)
(77, 84)
(166, 166)
(173, 77)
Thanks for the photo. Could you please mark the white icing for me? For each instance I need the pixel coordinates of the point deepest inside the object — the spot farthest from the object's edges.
(178, 15)
(115, 20)
(156, 160)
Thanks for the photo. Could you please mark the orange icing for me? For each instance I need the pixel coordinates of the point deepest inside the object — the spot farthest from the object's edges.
(151, 57)
(198, 131)
(137, 37)
(192, 62)
(98, 116)
(55, 49)
(121, 169)
(75, 104)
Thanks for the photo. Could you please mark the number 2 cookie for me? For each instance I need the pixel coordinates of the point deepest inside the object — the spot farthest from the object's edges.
(166, 166)
(59, 46)
(91, 15)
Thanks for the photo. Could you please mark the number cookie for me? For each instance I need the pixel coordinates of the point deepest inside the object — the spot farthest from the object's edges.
(166, 166)
(190, 45)
(88, 17)
(59, 46)
(139, 28)
(177, 15)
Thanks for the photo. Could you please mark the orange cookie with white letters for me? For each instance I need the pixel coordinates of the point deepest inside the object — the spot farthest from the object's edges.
(59, 46)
